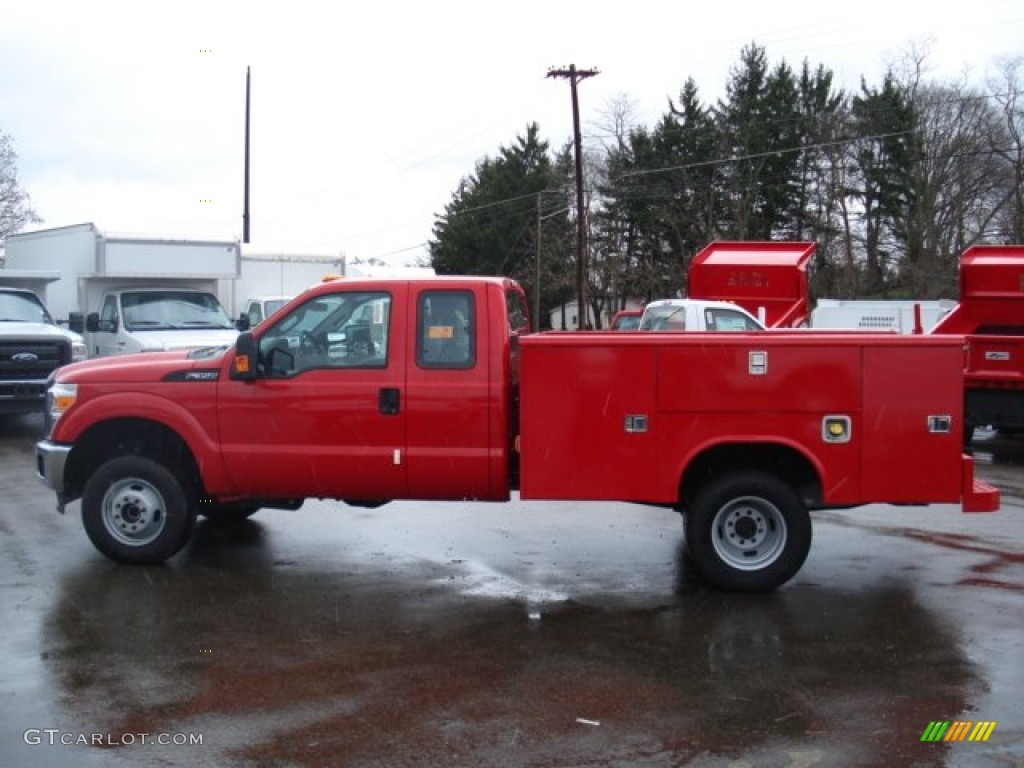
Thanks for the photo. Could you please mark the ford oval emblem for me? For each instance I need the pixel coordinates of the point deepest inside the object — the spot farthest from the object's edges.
(25, 357)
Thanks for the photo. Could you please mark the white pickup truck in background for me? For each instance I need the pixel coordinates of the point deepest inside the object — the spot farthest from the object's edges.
(697, 315)
(259, 308)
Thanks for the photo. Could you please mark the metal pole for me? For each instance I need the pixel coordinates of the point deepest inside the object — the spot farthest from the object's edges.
(536, 287)
(581, 226)
(245, 200)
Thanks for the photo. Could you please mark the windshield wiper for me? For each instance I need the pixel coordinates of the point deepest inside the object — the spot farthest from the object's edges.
(147, 325)
(205, 324)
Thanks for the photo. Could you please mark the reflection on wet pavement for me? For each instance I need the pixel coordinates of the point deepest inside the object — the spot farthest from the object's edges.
(278, 664)
(520, 634)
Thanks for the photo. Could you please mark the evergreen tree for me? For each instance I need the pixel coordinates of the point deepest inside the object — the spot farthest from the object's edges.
(882, 153)
(660, 205)
(759, 124)
(818, 213)
(490, 225)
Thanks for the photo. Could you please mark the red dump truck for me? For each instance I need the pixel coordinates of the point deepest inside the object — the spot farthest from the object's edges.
(768, 279)
(372, 390)
(990, 314)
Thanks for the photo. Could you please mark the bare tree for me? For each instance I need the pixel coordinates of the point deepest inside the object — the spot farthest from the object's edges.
(15, 210)
(1008, 145)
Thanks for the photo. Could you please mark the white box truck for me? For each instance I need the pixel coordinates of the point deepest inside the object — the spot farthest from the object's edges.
(132, 294)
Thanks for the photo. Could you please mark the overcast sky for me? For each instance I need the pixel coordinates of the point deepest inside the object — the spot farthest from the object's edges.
(366, 115)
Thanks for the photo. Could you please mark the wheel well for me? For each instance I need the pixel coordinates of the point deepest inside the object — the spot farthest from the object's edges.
(118, 437)
(781, 461)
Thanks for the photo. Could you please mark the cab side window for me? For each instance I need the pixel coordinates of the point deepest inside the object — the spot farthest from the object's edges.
(336, 330)
(445, 330)
(108, 315)
(728, 320)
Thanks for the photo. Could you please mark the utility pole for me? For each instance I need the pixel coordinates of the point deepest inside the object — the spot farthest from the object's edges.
(574, 76)
(536, 288)
(245, 201)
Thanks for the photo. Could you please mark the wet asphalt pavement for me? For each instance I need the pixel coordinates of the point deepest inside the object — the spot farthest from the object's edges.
(540, 634)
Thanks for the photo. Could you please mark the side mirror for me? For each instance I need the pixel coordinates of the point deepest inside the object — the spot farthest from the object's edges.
(76, 322)
(243, 323)
(92, 322)
(243, 366)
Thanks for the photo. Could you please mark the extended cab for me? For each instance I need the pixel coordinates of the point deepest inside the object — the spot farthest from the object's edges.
(371, 390)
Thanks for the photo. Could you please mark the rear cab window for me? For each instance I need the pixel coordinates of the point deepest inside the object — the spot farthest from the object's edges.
(445, 330)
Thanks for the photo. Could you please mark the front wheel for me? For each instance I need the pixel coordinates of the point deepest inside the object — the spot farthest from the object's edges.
(747, 532)
(136, 510)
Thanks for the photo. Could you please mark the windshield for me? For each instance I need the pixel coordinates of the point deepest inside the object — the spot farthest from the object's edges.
(172, 310)
(23, 308)
(666, 317)
(627, 323)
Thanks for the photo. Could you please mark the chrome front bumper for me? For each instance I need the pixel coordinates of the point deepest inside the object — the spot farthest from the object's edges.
(50, 461)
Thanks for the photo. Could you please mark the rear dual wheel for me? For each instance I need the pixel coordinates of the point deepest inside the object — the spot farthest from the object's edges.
(747, 532)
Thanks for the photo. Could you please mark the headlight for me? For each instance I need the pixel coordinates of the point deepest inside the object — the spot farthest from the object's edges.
(78, 352)
(59, 398)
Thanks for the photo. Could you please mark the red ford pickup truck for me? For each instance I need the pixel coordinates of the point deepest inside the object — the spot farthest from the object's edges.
(372, 390)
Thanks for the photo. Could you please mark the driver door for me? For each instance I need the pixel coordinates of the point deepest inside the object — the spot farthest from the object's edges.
(325, 418)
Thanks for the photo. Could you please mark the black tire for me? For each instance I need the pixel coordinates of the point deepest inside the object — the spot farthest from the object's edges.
(747, 532)
(229, 513)
(136, 510)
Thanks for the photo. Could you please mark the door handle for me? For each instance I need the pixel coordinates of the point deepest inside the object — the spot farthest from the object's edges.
(389, 401)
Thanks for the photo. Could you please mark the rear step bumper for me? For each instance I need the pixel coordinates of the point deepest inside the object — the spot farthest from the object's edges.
(977, 496)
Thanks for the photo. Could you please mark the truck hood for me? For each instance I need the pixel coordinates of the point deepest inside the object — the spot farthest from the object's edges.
(179, 365)
(37, 331)
(184, 339)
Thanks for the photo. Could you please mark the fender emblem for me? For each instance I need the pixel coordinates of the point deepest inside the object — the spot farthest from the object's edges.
(25, 357)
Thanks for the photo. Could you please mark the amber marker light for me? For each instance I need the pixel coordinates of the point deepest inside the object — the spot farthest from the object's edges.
(835, 429)
(62, 397)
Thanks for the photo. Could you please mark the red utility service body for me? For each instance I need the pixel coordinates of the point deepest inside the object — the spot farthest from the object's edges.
(754, 398)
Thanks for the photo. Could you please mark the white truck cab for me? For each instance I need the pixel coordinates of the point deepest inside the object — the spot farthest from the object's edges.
(697, 315)
(157, 320)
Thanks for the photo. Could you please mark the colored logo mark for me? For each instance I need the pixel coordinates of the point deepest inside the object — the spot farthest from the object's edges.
(958, 730)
